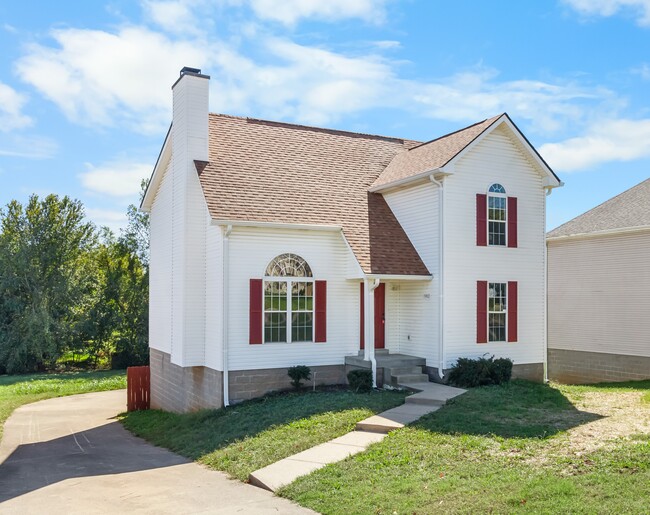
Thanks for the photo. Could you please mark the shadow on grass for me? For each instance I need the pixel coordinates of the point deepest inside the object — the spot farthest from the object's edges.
(295, 415)
(623, 385)
(520, 409)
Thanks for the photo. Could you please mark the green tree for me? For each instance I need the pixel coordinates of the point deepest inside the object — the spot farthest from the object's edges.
(46, 275)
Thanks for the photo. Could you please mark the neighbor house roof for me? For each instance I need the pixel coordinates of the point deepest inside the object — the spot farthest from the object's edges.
(628, 210)
(261, 171)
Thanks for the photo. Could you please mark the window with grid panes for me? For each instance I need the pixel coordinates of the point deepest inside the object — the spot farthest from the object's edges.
(288, 300)
(497, 312)
(497, 214)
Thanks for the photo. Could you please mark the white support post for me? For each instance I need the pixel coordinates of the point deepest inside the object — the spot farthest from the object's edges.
(369, 286)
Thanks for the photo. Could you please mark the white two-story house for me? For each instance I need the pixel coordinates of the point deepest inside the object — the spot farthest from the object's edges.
(274, 244)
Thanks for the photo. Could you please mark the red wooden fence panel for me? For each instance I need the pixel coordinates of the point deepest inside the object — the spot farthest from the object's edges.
(138, 389)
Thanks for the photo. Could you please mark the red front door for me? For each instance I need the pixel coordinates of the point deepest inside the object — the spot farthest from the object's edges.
(380, 317)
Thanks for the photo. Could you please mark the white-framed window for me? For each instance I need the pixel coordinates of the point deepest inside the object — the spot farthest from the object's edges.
(288, 300)
(497, 202)
(497, 311)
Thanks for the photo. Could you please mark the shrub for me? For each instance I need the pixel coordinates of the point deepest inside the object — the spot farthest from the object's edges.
(469, 373)
(360, 380)
(298, 373)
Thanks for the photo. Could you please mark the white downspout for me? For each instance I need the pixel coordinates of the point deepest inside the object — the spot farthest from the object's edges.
(226, 294)
(545, 362)
(369, 287)
(441, 277)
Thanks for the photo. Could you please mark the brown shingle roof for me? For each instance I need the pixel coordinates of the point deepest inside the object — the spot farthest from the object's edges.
(282, 173)
(431, 155)
(628, 210)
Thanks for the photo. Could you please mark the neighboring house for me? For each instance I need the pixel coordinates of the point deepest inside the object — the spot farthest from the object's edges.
(599, 292)
(274, 244)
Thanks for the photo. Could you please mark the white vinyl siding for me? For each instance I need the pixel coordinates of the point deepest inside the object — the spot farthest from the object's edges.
(497, 158)
(214, 298)
(251, 250)
(160, 271)
(599, 294)
(412, 311)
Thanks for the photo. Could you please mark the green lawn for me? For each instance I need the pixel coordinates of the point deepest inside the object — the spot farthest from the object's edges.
(23, 389)
(520, 447)
(243, 438)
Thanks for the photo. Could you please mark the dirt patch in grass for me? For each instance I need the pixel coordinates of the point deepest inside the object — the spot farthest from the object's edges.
(624, 414)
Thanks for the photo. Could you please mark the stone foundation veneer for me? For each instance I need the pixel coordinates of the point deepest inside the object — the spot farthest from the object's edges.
(183, 389)
(570, 366)
(249, 384)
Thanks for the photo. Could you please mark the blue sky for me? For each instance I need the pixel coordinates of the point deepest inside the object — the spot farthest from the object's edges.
(85, 97)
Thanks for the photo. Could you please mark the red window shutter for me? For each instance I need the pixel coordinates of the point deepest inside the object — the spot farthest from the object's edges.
(256, 312)
(481, 220)
(362, 327)
(481, 312)
(512, 311)
(512, 222)
(320, 323)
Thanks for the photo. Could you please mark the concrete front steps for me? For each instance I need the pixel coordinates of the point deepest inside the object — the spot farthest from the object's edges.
(394, 369)
(429, 397)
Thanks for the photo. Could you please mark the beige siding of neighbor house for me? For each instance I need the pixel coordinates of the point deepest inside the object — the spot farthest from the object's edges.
(599, 294)
(498, 158)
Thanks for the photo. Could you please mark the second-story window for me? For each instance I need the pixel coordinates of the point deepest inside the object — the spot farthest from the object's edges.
(497, 215)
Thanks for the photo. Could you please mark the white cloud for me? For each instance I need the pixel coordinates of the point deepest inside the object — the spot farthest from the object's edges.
(642, 71)
(387, 44)
(123, 78)
(289, 12)
(101, 78)
(11, 106)
(175, 16)
(29, 147)
(477, 94)
(606, 8)
(118, 179)
(607, 141)
(114, 220)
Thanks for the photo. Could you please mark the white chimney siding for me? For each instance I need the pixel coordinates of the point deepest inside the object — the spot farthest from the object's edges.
(189, 138)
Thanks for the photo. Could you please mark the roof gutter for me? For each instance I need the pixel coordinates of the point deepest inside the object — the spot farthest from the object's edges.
(595, 234)
(408, 180)
(397, 277)
(275, 225)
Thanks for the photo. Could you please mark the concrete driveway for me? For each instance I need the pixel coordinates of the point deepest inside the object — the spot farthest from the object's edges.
(70, 455)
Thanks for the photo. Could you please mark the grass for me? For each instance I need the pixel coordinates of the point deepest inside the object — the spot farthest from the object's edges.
(498, 449)
(23, 389)
(251, 435)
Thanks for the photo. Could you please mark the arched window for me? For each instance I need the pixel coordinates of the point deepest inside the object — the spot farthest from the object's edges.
(288, 265)
(288, 300)
(497, 215)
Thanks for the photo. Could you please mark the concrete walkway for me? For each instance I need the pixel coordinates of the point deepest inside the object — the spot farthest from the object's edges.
(69, 455)
(430, 397)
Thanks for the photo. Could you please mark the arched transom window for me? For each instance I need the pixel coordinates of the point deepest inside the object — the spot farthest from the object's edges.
(288, 300)
(497, 215)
